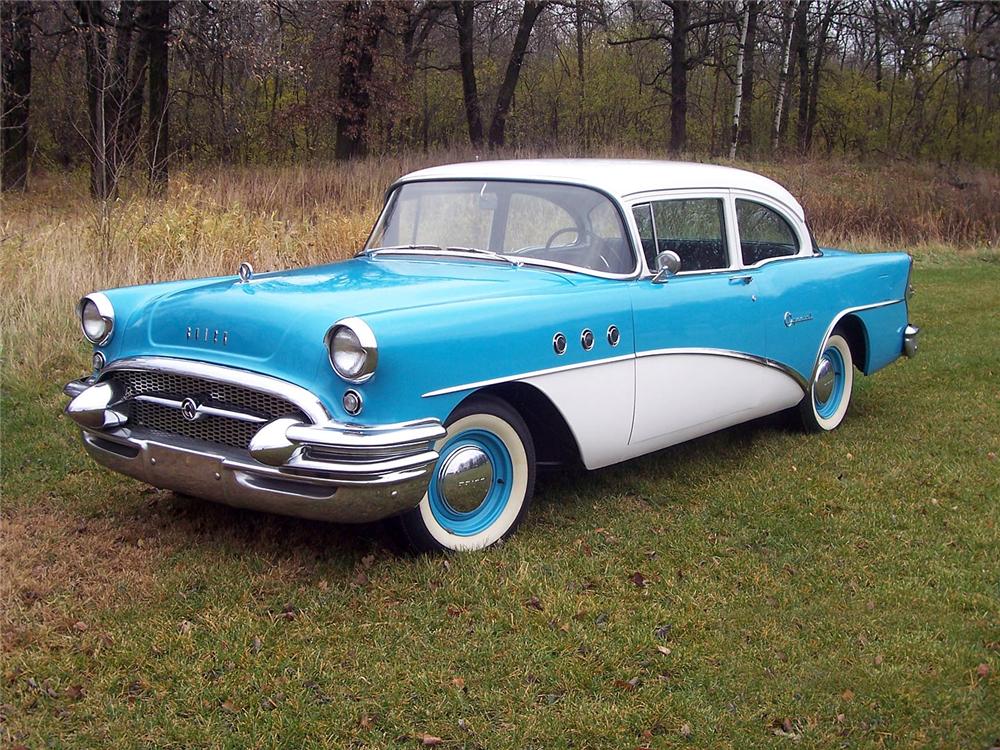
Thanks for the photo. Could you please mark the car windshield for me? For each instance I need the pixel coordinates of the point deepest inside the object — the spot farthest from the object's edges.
(563, 225)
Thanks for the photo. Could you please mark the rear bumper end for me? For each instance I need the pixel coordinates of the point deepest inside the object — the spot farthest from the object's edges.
(328, 471)
(911, 340)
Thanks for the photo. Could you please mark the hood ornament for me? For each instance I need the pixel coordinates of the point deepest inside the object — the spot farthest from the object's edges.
(245, 272)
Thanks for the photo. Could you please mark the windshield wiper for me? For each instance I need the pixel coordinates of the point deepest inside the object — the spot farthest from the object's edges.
(487, 253)
(370, 251)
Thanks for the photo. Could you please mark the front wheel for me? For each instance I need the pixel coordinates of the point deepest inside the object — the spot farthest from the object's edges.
(829, 397)
(482, 484)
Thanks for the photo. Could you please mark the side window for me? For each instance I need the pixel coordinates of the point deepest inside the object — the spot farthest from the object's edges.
(764, 233)
(694, 228)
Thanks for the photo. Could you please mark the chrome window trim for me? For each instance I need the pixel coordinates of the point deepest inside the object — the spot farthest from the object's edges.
(305, 400)
(806, 247)
(648, 197)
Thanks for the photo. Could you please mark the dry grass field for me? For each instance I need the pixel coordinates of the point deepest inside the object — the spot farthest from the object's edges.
(758, 587)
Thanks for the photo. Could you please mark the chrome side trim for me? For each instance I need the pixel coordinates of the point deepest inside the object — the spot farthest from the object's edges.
(524, 375)
(310, 405)
(757, 360)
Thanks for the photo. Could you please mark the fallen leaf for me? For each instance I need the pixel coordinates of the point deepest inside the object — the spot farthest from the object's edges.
(458, 682)
(366, 722)
(367, 561)
(229, 707)
(185, 627)
(685, 730)
(983, 670)
(323, 584)
(663, 650)
(663, 632)
(79, 626)
(429, 740)
(840, 718)
(847, 695)
(879, 659)
(638, 579)
(534, 603)
(628, 685)
(256, 646)
(360, 579)
(75, 692)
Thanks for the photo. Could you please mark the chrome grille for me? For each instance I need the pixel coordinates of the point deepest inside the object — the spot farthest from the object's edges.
(219, 430)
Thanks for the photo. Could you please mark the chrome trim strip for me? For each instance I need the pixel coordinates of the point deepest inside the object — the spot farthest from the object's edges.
(525, 375)
(697, 351)
(202, 409)
(801, 381)
(401, 435)
(310, 405)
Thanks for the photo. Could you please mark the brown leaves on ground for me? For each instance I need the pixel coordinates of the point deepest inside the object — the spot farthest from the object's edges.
(534, 603)
(638, 579)
(429, 740)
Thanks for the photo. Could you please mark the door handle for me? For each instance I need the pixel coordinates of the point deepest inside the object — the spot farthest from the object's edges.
(741, 280)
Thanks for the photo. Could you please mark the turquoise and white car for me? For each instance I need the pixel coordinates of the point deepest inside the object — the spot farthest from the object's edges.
(502, 316)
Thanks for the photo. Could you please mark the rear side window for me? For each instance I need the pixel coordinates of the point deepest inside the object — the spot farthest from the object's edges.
(694, 228)
(764, 233)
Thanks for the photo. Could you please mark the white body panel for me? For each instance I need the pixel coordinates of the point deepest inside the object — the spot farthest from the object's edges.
(685, 396)
(691, 395)
(597, 404)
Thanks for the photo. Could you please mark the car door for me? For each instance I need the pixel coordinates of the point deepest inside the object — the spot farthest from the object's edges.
(694, 333)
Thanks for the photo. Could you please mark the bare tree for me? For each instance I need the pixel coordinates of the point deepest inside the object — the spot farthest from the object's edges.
(15, 42)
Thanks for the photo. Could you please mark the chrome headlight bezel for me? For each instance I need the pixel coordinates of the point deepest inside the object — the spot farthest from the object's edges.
(96, 308)
(365, 342)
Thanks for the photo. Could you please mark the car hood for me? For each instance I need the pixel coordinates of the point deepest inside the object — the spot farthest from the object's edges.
(282, 317)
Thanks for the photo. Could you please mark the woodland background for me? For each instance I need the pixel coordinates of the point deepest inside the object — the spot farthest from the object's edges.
(126, 87)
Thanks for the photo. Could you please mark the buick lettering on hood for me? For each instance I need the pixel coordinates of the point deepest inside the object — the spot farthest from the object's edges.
(501, 316)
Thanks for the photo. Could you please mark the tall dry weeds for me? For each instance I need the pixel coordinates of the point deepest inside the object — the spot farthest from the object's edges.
(55, 245)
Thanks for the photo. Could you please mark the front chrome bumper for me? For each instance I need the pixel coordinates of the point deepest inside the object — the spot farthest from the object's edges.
(328, 471)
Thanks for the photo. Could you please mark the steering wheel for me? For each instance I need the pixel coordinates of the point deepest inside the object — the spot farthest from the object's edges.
(581, 234)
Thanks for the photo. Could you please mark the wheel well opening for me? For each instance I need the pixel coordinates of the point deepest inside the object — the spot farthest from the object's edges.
(852, 329)
(554, 442)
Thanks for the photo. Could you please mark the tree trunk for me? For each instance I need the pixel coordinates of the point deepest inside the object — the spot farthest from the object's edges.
(532, 8)
(739, 82)
(779, 111)
(802, 51)
(131, 117)
(465, 15)
(746, 117)
(581, 124)
(159, 119)
(95, 48)
(15, 40)
(361, 29)
(678, 76)
(817, 69)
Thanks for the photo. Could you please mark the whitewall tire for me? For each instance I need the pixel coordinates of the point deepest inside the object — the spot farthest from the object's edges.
(829, 397)
(482, 483)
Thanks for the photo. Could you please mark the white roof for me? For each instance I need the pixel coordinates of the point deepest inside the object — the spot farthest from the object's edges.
(619, 177)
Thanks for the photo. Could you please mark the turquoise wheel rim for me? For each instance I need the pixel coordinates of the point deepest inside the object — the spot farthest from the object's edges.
(477, 520)
(826, 409)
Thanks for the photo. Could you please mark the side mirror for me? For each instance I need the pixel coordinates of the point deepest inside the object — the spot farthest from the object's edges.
(667, 264)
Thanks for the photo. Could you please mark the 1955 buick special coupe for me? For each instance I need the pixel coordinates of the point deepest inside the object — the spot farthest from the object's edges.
(502, 315)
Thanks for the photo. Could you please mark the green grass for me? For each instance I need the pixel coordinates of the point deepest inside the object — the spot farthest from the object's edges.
(812, 590)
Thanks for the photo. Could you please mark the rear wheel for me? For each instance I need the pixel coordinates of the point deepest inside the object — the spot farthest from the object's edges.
(482, 483)
(829, 397)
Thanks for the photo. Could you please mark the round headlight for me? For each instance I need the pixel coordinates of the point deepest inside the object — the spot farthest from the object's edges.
(353, 350)
(97, 318)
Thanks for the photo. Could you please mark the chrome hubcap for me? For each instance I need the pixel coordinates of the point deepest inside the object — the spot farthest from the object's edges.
(465, 478)
(826, 376)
